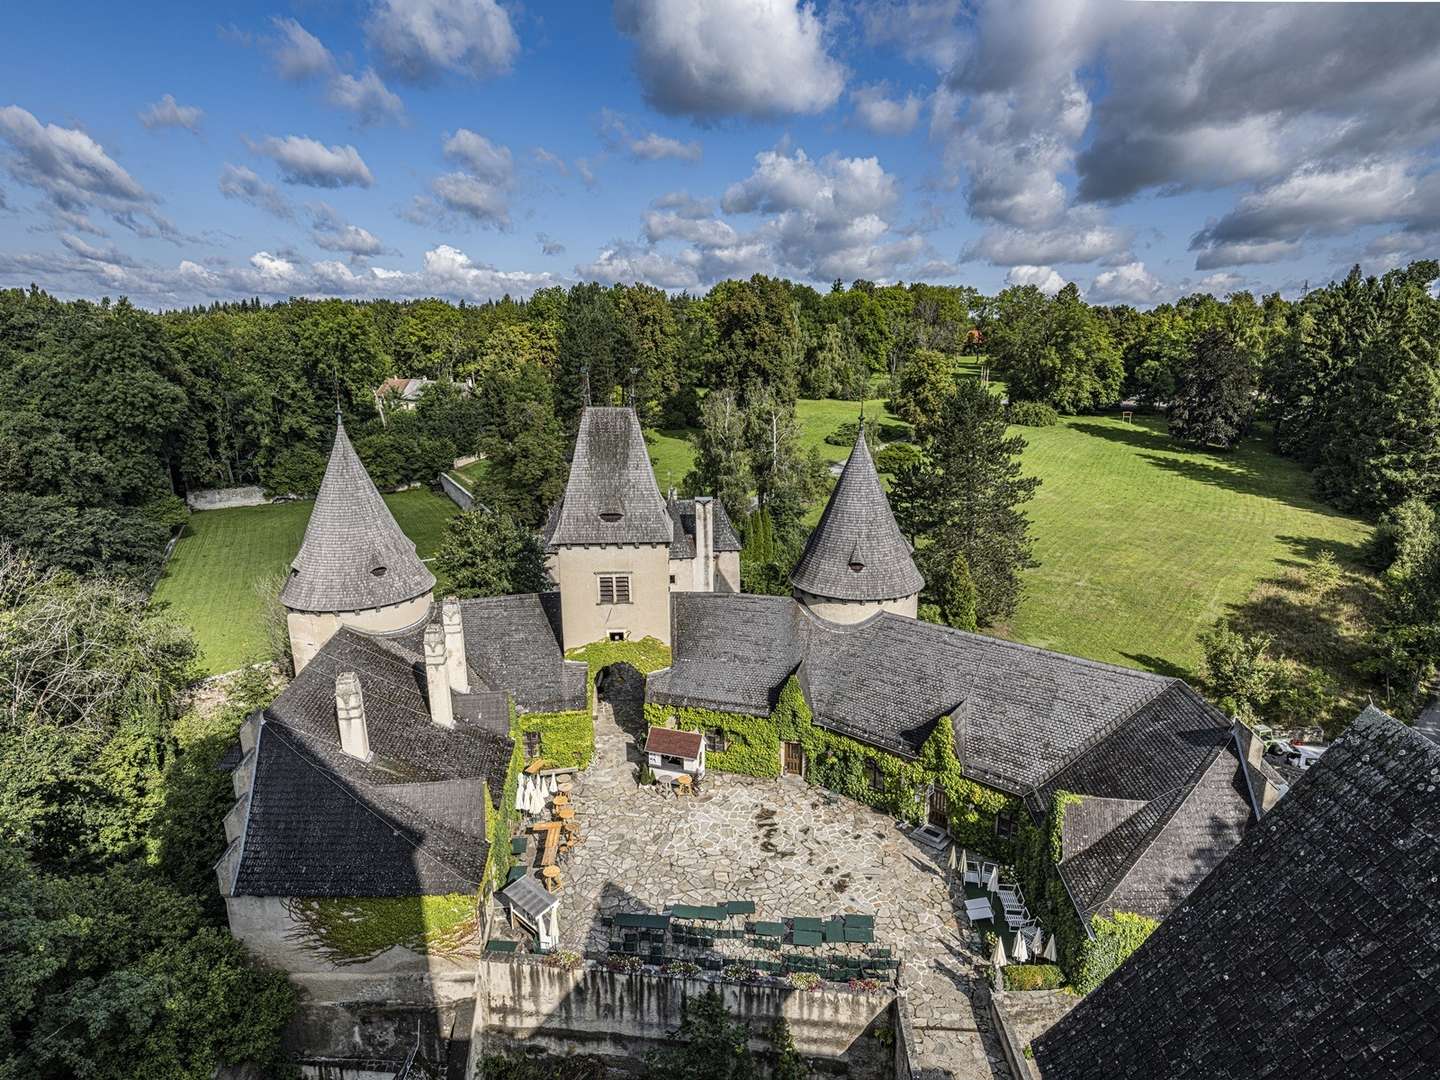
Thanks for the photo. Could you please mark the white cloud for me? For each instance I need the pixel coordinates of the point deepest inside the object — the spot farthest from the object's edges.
(239, 182)
(367, 96)
(480, 156)
(473, 197)
(70, 167)
(626, 263)
(306, 161)
(110, 254)
(167, 112)
(1042, 277)
(706, 232)
(420, 39)
(883, 115)
(333, 233)
(481, 189)
(834, 187)
(1238, 253)
(299, 54)
(1080, 239)
(554, 161)
(1130, 283)
(653, 147)
(714, 58)
(549, 245)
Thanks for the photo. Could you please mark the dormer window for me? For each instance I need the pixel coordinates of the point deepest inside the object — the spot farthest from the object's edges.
(377, 571)
(856, 565)
(611, 516)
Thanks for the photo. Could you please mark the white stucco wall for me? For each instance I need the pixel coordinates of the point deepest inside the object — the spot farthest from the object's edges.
(310, 630)
(584, 619)
(854, 611)
(727, 571)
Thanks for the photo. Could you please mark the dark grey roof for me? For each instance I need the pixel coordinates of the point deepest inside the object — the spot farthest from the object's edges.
(857, 551)
(410, 820)
(513, 644)
(354, 555)
(611, 496)
(888, 679)
(682, 513)
(1312, 950)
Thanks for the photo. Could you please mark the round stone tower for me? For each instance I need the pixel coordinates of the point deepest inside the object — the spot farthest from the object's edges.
(857, 562)
(356, 567)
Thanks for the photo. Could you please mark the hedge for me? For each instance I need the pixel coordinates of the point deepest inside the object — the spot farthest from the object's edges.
(1033, 977)
(351, 930)
(1032, 414)
(838, 763)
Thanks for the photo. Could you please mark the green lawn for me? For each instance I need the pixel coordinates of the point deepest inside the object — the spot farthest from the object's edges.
(210, 580)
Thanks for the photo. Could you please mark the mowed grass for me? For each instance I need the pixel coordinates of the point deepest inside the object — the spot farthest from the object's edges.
(1143, 544)
(210, 581)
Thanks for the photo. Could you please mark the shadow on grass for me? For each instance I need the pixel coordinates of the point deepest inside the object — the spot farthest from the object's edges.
(1160, 666)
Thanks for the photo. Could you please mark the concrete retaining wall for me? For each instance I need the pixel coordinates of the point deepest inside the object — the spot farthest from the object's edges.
(535, 1008)
(224, 498)
(905, 1068)
(458, 495)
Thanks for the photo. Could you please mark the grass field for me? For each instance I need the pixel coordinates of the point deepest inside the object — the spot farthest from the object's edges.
(210, 581)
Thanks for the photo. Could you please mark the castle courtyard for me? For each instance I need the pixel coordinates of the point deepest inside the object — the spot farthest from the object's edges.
(795, 851)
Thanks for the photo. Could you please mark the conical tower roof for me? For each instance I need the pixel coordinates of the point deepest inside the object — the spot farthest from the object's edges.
(611, 496)
(857, 552)
(354, 555)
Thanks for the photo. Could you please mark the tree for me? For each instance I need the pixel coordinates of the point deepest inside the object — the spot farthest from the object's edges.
(949, 586)
(710, 1045)
(787, 477)
(486, 553)
(1214, 396)
(722, 455)
(1406, 645)
(973, 491)
(1241, 676)
(757, 337)
(922, 388)
(786, 1062)
(646, 349)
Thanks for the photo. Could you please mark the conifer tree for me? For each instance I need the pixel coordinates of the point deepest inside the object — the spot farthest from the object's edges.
(1214, 397)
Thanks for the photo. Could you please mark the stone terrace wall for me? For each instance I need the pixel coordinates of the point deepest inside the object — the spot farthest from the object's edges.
(223, 498)
(597, 1011)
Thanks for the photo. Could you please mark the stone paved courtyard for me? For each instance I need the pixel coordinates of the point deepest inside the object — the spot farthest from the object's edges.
(795, 850)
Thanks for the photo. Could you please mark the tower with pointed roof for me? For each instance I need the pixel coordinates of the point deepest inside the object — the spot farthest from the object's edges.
(857, 562)
(355, 567)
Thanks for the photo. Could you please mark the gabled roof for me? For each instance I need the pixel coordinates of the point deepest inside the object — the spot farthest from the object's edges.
(1312, 950)
(354, 555)
(682, 513)
(857, 551)
(611, 496)
(663, 740)
(513, 645)
(411, 820)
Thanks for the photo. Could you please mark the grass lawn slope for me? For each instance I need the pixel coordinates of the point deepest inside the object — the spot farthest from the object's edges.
(210, 581)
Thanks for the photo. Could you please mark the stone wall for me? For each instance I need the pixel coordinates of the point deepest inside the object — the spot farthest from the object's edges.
(224, 498)
(538, 1008)
(458, 495)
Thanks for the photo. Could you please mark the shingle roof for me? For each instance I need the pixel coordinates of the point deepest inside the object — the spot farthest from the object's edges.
(685, 744)
(354, 555)
(611, 496)
(857, 551)
(410, 820)
(513, 644)
(888, 679)
(1312, 950)
(682, 513)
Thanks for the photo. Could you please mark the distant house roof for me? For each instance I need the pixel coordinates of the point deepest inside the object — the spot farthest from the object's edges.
(857, 552)
(683, 744)
(411, 820)
(611, 496)
(1022, 712)
(354, 555)
(1311, 950)
(408, 389)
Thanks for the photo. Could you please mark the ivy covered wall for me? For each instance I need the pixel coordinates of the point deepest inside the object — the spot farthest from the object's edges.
(840, 764)
(351, 930)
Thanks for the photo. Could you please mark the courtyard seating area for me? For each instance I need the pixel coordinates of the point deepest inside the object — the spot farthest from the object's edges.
(993, 901)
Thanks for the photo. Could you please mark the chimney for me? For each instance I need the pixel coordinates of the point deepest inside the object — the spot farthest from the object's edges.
(705, 543)
(437, 677)
(1252, 749)
(455, 661)
(350, 715)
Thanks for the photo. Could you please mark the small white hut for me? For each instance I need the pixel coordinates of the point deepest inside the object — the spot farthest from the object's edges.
(672, 753)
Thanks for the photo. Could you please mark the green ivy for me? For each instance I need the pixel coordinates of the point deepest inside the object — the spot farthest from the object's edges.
(1112, 942)
(1033, 977)
(350, 930)
(567, 739)
(645, 655)
(839, 764)
(497, 865)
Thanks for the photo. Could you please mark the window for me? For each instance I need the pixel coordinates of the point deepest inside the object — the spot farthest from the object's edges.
(874, 775)
(716, 741)
(614, 588)
(532, 744)
(1004, 824)
(617, 635)
(672, 579)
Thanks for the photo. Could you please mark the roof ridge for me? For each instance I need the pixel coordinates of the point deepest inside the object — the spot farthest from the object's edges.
(397, 828)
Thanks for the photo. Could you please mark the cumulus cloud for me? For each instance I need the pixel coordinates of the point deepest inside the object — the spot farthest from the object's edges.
(550, 160)
(418, 40)
(479, 190)
(1042, 277)
(481, 156)
(244, 184)
(167, 112)
(334, 233)
(715, 58)
(626, 263)
(1080, 239)
(311, 163)
(1129, 283)
(549, 245)
(299, 55)
(883, 115)
(653, 147)
(109, 254)
(366, 96)
(70, 167)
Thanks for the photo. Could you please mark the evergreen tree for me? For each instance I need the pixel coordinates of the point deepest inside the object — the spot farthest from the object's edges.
(922, 388)
(485, 553)
(786, 1062)
(948, 585)
(722, 455)
(975, 494)
(1214, 397)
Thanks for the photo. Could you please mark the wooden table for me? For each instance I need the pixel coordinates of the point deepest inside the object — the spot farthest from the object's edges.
(551, 829)
(564, 813)
(683, 784)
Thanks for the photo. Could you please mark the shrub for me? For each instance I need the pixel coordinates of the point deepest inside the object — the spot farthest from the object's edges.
(896, 456)
(803, 980)
(1113, 942)
(1032, 414)
(845, 434)
(1033, 977)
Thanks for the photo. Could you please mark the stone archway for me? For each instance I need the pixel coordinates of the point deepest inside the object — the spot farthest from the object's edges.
(620, 688)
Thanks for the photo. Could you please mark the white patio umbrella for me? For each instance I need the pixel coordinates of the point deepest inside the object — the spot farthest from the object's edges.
(997, 957)
(522, 793)
(537, 798)
(1049, 953)
(994, 883)
(552, 784)
(1022, 950)
(957, 856)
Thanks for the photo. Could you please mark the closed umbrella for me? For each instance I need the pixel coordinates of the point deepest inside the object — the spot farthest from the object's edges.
(537, 798)
(1022, 950)
(1049, 952)
(997, 957)
(522, 793)
(994, 883)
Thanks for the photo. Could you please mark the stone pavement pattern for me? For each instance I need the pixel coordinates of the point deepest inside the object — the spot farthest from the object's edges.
(795, 850)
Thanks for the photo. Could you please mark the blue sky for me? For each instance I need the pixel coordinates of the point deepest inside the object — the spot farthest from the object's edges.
(468, 148)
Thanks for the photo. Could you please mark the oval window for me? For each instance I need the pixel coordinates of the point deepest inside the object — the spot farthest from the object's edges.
(611, 516)
(377, 571)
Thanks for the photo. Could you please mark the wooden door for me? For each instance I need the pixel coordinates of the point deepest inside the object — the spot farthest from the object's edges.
(939, 808)
(793, 758)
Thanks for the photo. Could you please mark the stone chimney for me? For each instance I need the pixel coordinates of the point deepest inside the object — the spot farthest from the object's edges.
(455, 661)
(704, 543)
(437, 677)
(350, 715)
(1252, 749)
